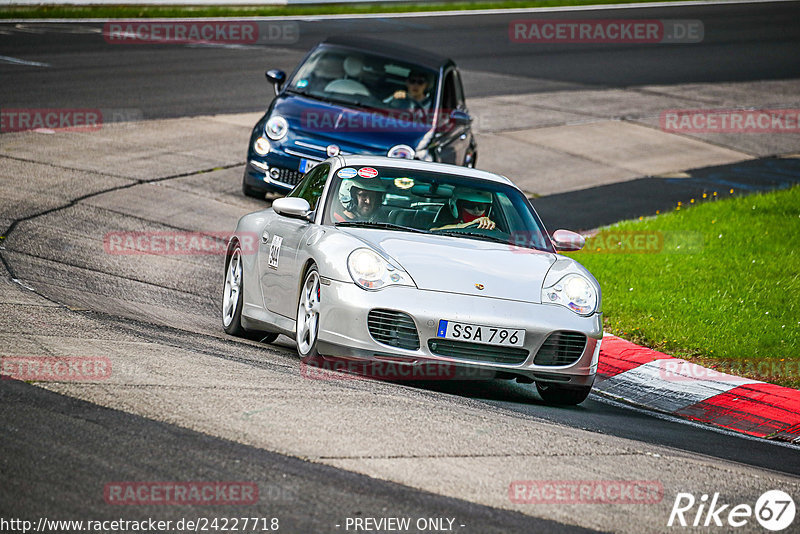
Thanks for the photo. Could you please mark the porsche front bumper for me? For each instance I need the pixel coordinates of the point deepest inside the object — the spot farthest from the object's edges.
(344, 329)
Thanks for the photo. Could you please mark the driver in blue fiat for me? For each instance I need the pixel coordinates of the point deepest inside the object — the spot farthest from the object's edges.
(467, 207)
(416, 92)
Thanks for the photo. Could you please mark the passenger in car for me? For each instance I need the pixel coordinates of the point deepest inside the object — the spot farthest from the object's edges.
(467, 207)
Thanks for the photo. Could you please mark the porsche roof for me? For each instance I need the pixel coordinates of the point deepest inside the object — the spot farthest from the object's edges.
(382, 161)
(408, 54)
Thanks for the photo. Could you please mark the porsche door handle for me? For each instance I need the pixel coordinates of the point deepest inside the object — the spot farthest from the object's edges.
(265, 237)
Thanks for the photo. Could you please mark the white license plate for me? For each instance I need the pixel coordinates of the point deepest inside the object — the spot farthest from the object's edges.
(306, 165)
(490, 335)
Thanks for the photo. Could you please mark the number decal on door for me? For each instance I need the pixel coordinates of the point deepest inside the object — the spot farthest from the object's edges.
(275, 251)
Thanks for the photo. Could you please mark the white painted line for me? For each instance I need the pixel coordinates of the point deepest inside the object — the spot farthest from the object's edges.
(669, 385)
(17, 61)
(417, 14)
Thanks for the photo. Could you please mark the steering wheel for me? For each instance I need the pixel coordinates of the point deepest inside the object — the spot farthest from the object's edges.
(408, 104)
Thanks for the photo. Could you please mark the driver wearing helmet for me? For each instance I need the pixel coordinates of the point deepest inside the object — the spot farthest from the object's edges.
(360, 199)
(468, 207)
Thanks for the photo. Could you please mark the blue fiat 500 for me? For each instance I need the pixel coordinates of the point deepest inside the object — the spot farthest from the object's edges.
(359, 96)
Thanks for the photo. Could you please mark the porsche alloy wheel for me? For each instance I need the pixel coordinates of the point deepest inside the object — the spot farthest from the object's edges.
(308, 315)
(232, 299)
(232, 295)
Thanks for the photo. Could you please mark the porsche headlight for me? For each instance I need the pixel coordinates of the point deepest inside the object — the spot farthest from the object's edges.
(574, 292)
(261, 146)
(401, 151)
(276, 128)
(370, 271)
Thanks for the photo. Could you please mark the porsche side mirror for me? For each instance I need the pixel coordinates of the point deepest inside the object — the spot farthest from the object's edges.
(294, 207)
(566, 240)
(276, 77)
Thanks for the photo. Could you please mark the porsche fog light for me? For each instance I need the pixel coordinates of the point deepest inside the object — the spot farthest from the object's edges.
(261, 146)
(401, 151)
(370, 271)
(574, 292)
(276, 128)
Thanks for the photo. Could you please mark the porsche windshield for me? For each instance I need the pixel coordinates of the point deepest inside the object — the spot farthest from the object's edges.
(361, 79)
(442, 204)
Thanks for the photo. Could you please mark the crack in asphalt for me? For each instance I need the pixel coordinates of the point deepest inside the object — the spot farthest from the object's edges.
(135, 181)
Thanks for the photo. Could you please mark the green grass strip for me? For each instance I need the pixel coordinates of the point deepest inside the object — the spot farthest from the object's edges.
(166, 11)
(714, 281)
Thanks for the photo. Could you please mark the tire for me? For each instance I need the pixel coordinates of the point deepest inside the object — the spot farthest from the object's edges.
(232, 299)
(252, 191)
(308, 307)
(563, 395)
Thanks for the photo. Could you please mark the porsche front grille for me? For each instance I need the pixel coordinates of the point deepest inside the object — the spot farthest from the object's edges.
(393, 328)
(477, 352)
(561, 348)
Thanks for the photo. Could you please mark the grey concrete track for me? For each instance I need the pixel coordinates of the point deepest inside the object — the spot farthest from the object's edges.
(402, 449)
(155, 317)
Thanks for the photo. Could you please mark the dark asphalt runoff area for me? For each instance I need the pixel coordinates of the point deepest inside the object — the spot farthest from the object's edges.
(58, 452)
(741, 42)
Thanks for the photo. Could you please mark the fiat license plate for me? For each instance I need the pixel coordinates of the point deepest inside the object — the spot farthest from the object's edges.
(306, 165)
(490, 335)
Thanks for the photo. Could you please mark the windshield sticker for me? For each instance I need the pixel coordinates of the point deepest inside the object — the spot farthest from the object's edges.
(404, 183)
(301, 83)
(347, 172)
(367, 172)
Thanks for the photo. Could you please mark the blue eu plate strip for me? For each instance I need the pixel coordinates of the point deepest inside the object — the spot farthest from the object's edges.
(442, 328)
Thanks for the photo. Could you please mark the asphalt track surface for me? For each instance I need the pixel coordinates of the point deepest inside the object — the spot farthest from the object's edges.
(741, 42)
(53, 444)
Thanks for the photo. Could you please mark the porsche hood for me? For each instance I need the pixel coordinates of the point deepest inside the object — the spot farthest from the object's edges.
(462, 265)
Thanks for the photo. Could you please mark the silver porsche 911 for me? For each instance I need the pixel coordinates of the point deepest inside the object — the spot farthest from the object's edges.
(416, 263)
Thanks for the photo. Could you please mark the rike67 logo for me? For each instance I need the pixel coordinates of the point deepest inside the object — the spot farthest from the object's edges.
(774, 510)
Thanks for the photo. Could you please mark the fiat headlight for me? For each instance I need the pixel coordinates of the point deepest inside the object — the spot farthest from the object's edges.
(261, 146)
(371, 271)
(401, 151)
(574, 292)
(276, 128)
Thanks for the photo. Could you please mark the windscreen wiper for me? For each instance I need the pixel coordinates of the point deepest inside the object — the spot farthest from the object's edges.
(384, 225)
(484, 237)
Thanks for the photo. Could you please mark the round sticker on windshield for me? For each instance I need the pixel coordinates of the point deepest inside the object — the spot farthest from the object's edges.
(367, 172)
(347, 172)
